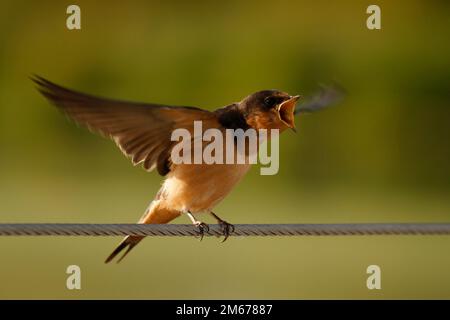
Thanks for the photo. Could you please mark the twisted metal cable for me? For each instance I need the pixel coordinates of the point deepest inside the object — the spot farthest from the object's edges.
(241, 230)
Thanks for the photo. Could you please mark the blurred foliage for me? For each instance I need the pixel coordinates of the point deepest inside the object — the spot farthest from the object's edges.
(382, 155)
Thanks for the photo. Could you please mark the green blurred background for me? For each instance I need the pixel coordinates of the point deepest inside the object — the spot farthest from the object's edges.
(382, 156)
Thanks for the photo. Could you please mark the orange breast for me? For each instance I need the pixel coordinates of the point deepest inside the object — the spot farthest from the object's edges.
(200, 187)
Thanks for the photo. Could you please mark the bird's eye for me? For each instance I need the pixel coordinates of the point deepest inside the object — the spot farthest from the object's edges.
(271, 102)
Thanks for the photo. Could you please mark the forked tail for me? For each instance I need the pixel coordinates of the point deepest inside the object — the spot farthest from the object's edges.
(128, 243)
(156, 213)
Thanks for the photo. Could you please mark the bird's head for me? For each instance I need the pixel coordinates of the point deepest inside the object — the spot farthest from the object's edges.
(269, 109)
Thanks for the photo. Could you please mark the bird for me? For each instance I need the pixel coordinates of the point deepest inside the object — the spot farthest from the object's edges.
(142, 132)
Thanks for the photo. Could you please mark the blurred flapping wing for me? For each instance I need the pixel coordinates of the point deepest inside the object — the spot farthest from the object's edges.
(326, 97)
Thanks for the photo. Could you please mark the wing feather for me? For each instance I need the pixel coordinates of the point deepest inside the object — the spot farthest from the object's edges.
(141, 130)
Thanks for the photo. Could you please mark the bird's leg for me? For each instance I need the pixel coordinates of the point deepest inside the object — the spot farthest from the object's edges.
(202, 227)
(226, 228)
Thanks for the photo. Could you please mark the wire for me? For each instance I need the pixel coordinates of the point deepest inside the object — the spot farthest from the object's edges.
(241, 230)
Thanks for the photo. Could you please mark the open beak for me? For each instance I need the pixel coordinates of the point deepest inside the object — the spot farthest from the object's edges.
(286, 111)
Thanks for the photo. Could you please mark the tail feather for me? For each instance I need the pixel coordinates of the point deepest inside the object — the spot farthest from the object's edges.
(155, 213)
(128, 243)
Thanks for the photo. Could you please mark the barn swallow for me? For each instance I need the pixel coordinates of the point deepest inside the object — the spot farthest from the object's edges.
(142, 131)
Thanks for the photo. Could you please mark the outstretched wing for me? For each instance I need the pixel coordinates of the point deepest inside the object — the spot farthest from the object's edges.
(141, 130)
(326, 97)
